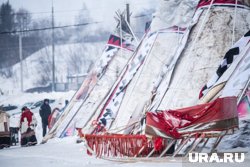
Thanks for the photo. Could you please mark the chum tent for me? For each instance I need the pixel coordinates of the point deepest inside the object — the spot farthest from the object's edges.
(201, 42)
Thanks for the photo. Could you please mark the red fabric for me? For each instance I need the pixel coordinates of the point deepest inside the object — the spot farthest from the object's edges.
(114, 40)
(28, 115)
(116, 145)
(158, 144)
(119, 145)
(50, 121)
(207, 2)
(171, 121)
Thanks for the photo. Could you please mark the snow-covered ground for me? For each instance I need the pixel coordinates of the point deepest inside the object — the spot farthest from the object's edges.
(57, 152)
(61, 153)
(67, 153)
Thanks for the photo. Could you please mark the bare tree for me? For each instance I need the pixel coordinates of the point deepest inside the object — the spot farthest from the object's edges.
(7, 72)
(76, 61)
(45, 67)
(45, 36)
(6, 17)
(83, 15)
(23, 19)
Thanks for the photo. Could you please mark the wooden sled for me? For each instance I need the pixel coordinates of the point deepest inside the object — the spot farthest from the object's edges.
(198, 143)
(161, 145)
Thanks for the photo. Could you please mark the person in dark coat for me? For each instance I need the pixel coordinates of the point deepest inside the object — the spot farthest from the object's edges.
(44, 112)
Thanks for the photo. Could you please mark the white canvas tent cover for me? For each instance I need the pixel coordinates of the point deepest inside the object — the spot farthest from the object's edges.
(98, 81)
(159, 47)
(203, 53)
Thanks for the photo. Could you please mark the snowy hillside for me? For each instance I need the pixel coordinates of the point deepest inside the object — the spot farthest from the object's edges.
(69, 60)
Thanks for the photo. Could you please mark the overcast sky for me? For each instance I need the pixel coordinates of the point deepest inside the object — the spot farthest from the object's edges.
(66, 10)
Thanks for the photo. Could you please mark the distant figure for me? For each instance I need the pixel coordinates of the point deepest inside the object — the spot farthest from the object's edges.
(27, 127)
(66, 104)
(4, 129)
(44, 112)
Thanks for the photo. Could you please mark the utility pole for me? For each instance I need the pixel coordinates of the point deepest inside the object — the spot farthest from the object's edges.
(21, 60)
(128, 13)
(53, 50)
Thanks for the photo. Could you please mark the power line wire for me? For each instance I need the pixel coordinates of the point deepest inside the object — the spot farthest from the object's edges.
(48, 28)
(47, 12)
